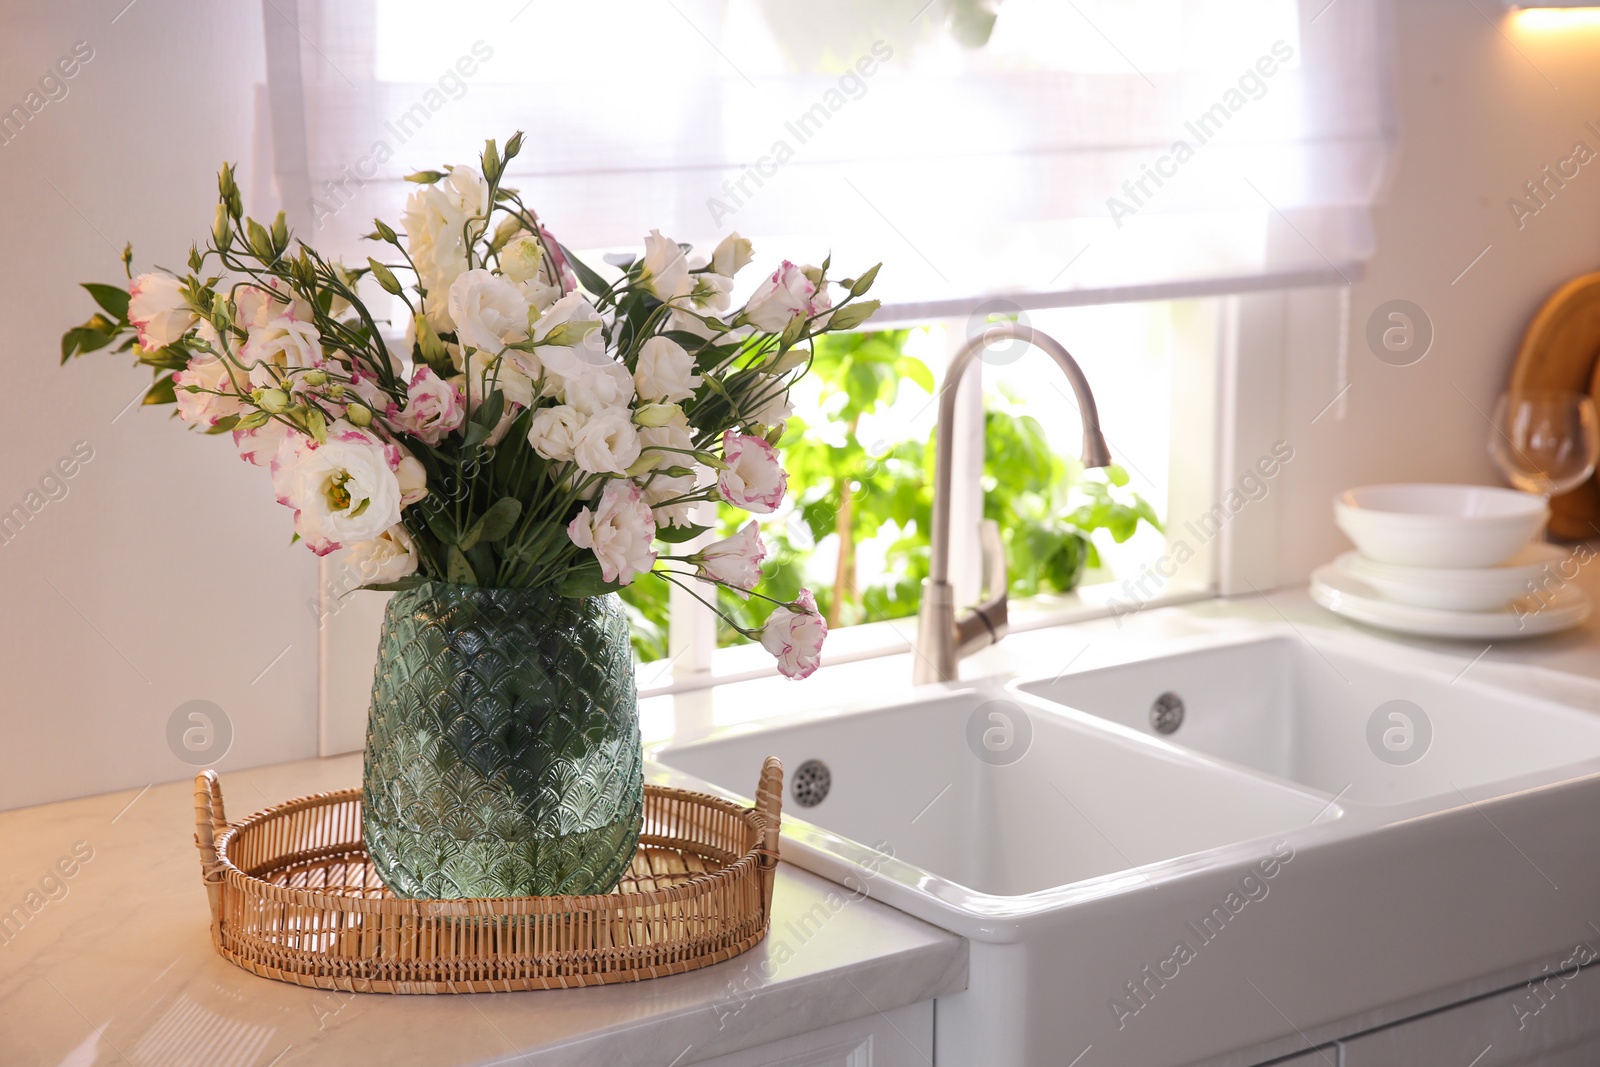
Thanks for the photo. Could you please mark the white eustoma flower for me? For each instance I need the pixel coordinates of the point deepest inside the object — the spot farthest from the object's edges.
(158, 310)
(342, 491)
(665, 371)
(589, 386)
(282, 345)
(386, 558)
(434, 220)
(794, 637)
(522, 259)
(606, 443)
(670, 439)
(754, 479)
(767, 401)
(662, 493)
(733, 254)
(788, 293)
(734, 561)
(205, 391)
(666, 269)
(489, 311)
(554, 432)
(618, 531)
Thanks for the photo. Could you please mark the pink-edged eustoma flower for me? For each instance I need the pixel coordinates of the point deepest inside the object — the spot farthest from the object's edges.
(259, 445)
(158, 310)
(794, 634)
(788, 293)
(343, 491)
(213, 395)
(734, 561)
(618, 531)
(434, 408)
(754, 479)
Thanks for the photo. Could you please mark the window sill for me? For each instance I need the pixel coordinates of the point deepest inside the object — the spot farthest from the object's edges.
(892, 637)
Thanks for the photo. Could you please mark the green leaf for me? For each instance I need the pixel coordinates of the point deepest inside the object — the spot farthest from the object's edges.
(410, 581)
(1116, 475)
(493, 524)
(439, 522)
(457, 569)
(676, 535)
(489, 412)
(112, 298)
(585, 581)
(223, 425)
(586, 276)
(161, 392)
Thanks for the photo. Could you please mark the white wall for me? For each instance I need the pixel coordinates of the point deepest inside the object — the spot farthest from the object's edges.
(165, 574)
(1484, 104)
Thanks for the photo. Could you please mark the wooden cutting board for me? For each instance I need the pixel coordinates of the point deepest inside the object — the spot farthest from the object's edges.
(1561, 350)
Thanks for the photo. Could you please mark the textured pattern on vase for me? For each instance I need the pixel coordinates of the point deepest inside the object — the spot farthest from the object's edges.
(503, 754)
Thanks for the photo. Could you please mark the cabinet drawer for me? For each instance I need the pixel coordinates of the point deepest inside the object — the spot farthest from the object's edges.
(899, 1038)
(1554, 1022)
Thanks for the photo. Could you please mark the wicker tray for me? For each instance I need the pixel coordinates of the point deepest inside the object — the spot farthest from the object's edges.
(294, 897)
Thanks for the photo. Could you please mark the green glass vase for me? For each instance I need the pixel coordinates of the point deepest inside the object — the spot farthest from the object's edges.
(503, 754)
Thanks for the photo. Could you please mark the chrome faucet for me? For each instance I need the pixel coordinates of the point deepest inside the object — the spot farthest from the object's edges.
(942, 639)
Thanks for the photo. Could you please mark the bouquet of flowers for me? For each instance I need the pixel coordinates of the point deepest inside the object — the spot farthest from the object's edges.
(532, 423)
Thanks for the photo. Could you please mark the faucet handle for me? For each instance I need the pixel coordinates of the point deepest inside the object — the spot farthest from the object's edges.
(987, 623)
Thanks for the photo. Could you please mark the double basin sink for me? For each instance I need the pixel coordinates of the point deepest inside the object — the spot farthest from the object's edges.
(1041, 816)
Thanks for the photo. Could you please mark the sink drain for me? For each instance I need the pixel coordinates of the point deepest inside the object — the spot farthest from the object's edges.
(1166, 714)
(811, 783)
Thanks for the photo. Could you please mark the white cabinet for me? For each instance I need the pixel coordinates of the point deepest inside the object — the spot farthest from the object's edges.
(1551, 1023)
(902, 1037)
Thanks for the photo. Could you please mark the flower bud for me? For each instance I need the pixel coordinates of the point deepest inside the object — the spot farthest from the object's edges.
(359, 415)
(315, 376)
(275, 401)
(655, 414)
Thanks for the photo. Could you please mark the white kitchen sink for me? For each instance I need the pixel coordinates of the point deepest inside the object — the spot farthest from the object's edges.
(999, 794)
(1346, 721)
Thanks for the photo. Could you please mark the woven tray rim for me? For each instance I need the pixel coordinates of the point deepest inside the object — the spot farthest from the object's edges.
(487, 907)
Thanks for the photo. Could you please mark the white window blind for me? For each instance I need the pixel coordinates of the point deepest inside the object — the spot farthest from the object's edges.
(1066, 152)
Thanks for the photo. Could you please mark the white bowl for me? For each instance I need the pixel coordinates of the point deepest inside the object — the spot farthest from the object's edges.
(1457, 588)
(1440, 525)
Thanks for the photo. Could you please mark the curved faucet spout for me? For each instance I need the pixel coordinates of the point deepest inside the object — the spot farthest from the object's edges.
(941, 639)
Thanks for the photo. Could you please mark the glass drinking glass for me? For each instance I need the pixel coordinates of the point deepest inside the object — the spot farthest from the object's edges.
(1545, 441)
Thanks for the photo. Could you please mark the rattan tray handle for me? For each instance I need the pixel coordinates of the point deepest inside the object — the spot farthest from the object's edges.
(209, 821)
(769, 802)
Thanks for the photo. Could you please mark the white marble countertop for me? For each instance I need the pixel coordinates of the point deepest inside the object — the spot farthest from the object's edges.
(113, 963)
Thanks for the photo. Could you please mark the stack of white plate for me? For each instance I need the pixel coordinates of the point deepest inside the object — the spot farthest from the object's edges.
(1449, 561)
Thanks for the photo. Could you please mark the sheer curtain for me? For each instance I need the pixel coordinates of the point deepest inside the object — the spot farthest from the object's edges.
(1046, 152)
